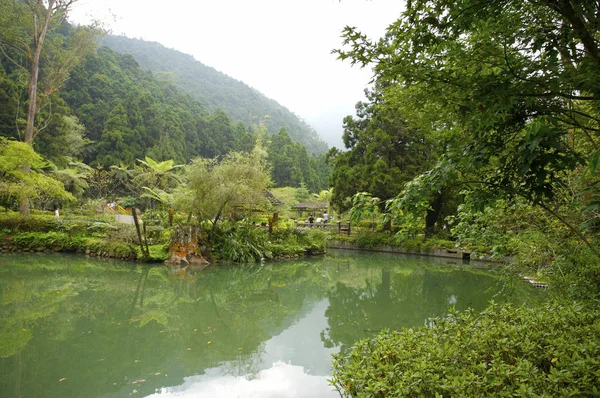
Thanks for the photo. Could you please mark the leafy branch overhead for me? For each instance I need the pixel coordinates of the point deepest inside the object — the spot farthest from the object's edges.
(507, 90)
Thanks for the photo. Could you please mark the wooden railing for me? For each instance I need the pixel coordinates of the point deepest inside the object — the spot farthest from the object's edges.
(339, 227)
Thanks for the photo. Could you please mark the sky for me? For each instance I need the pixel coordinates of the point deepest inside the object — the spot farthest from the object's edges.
(282, 48)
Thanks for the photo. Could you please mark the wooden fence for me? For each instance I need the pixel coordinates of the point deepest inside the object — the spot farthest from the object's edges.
(339, 227)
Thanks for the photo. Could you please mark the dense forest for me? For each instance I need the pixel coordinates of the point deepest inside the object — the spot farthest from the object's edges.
(111, 112)
(215, 90)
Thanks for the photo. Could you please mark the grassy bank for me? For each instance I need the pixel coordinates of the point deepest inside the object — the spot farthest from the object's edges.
(95, 236)
(101, 235)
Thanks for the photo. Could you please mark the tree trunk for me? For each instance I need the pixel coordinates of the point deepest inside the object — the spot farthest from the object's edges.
(39, 34)
(24, 201)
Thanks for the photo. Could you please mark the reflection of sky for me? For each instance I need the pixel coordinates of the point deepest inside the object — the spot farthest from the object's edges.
(294, 363)
(280, 381)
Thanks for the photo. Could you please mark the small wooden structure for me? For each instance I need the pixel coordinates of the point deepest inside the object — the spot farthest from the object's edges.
(310, 208)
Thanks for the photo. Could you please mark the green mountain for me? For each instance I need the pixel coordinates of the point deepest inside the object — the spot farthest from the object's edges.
(215, 90)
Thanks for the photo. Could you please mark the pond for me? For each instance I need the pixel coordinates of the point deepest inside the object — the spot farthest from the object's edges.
(73, 326)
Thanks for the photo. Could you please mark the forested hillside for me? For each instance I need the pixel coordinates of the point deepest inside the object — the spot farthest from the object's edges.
(111, 112)
(215, 90)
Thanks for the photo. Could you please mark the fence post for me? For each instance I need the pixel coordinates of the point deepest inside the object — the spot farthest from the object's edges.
(348, 228)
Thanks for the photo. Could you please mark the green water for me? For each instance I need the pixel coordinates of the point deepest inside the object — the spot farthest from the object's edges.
(73, 326)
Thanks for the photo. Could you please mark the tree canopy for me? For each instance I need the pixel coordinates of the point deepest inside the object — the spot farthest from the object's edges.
(507, 90)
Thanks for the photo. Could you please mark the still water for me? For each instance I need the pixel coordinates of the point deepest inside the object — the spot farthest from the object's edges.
(73, 326)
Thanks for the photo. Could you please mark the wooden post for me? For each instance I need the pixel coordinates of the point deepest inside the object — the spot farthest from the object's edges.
(348, 228)
(146, 240)
(139, 233)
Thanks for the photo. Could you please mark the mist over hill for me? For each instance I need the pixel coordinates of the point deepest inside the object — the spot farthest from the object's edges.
(215, 90)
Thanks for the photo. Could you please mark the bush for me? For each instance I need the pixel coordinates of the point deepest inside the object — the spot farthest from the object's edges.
(245, 244)
(372, 240)
(41, 223)
(241, 244)
(112, 248)
(51, 240)
(551, 351)
(297, 241)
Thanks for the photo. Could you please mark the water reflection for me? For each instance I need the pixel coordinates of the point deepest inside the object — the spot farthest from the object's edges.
(73, 326)
(280, 380)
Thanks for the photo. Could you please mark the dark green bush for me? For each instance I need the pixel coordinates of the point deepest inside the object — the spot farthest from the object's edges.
(112, 248)
(72, 225)
(41, 223)
(551, 351)
(244, 244)
(240, 244)
(297, 241)
(371, 240)
(48, 240)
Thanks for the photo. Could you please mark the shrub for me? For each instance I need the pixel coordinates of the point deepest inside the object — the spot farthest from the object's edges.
(52, 240)
(112, 248)
(241, 244)
(371, 240)
(41, 223)
(297, 241)
(504, 351)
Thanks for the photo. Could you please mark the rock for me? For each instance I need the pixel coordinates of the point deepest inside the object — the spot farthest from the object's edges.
(177, 259)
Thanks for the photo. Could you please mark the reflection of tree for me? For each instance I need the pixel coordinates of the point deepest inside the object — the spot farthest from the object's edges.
(103, 322)
(400, 297)
(117, 323)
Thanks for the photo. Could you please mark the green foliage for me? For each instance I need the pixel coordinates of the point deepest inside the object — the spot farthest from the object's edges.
(490, 227)
(52, 240)
(364, 204)
(216, 189)
(241, 244)
(291, 166)
(16, 223)
(502, 352)
(373, 240)
(113, 248)
(506, 91)
(297, 242)
(17, 182)
(247, 244)
(130, 114)
(215, 91)
(102, 236)
(383, 153)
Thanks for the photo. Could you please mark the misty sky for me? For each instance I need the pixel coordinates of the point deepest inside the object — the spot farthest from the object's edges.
(280, 47)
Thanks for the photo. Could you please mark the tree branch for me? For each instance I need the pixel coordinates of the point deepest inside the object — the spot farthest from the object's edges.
(566, 223)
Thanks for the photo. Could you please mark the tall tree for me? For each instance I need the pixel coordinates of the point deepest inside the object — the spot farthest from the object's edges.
(509, 87)
(35, 19)
(26, 26)
(383, 153)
